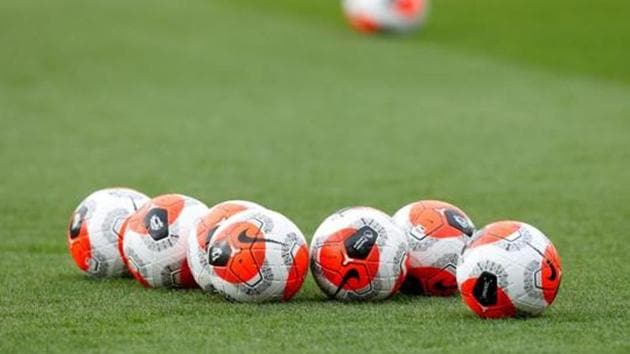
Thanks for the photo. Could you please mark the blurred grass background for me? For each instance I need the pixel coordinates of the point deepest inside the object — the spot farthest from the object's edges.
(569, 36)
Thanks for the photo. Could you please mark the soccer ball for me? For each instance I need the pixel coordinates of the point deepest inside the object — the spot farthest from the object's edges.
(201, 235)
(385, 15)
(437, 233)
(94, 230)
(257, 255)
(359, 254)
(155, 241)
(509, 269)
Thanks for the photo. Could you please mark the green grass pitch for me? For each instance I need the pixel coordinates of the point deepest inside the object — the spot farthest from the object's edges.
(509, 109)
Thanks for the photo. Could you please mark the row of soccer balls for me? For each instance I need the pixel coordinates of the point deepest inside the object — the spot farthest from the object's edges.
(247, 252)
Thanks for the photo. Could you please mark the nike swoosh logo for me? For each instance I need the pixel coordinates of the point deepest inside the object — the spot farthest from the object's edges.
(242, 237)
(553, 274)
(351, 274)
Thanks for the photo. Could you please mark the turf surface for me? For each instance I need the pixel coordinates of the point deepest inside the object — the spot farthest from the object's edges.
(507, 112)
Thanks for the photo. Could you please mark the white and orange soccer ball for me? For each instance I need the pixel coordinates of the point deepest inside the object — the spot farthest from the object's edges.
(155, 241)
(509, 269)
(203, 232)
(385, 15)
(437, 233)
(359, 254)
(95, 227)
(257, 255)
